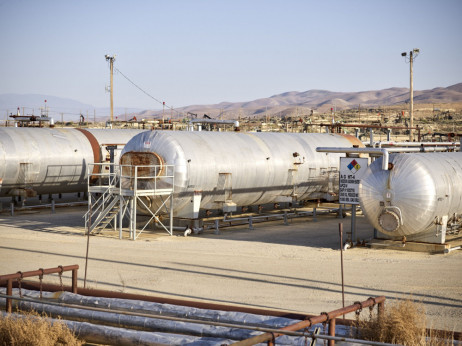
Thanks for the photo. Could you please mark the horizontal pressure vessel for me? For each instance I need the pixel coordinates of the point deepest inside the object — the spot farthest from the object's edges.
(414, 195)
(241, 168)
(45, 160)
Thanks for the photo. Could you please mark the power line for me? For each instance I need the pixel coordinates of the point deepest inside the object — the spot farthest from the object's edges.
(145, 92)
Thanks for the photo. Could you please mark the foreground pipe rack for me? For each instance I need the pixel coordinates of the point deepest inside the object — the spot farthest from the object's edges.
(39, 273)
(291, 330)
(325, 317)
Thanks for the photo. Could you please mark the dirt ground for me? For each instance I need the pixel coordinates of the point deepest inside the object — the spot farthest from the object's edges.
(294, 267)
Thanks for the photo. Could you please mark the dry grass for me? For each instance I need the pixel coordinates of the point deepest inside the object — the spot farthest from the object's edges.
(403, 322)
(31, 329)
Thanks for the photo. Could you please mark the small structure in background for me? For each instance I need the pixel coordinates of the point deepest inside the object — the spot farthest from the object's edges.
(32, 120)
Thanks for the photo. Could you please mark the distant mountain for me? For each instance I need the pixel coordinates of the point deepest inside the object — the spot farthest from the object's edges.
(321, 101)
(291, 102)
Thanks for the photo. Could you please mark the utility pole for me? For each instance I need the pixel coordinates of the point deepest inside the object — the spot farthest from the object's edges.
(163, 114)
(111, 67)
(412, 55)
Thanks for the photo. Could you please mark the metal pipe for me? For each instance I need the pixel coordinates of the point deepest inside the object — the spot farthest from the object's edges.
(340, 231)
(384, 152)
(452, 249)
(53, 270)
(301, 213)
(57, 205)
(20, 275)
(353, 223)
(369, 126)
(202, 305)
(413, 144)
(271, 331)
(312, 321)
(215, 121)
(331, 329)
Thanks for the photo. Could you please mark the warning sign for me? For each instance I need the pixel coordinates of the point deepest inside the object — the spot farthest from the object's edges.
(351, 171)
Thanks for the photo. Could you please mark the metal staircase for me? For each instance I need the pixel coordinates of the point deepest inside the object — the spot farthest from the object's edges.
(112, 202)
(106, 215)
(104, 205)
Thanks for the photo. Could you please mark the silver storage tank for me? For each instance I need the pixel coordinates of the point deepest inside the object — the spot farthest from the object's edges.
(44, 160)
(232, 168)
(419, 193)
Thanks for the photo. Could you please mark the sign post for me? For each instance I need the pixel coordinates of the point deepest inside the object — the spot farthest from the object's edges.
(351, 172)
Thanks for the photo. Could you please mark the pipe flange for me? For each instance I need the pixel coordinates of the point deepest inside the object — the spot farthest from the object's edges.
(389, 221)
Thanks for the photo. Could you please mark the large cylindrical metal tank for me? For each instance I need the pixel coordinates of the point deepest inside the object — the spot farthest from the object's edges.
(240, 168)
(44, 160)
(414, 195)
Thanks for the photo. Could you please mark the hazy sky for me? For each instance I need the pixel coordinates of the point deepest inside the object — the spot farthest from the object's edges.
(201, 52)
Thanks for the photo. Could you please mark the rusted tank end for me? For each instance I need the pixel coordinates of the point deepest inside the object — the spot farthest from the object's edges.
(140, 159)
(95, 148)
(355, 141)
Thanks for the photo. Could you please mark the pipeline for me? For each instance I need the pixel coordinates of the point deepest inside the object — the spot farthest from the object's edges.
(147, 321)
(414, 144)
(285, 334)
(384, 152)
(324, 317)
(105, 335)
(155, 309)
(195, 304)
(452, 249)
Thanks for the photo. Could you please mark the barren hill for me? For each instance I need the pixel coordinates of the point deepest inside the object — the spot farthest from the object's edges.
(321, 101)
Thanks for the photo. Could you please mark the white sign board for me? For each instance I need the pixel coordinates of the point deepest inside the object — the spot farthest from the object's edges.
(351, 171)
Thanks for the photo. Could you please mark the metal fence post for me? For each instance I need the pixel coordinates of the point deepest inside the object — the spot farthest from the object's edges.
(340, 211)
(9, 291)
(74, 281)
(331, 331)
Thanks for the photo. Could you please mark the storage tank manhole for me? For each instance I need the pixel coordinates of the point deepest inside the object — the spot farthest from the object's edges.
(389, 221)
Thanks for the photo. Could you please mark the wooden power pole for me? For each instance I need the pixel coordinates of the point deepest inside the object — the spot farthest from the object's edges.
(111, 67)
